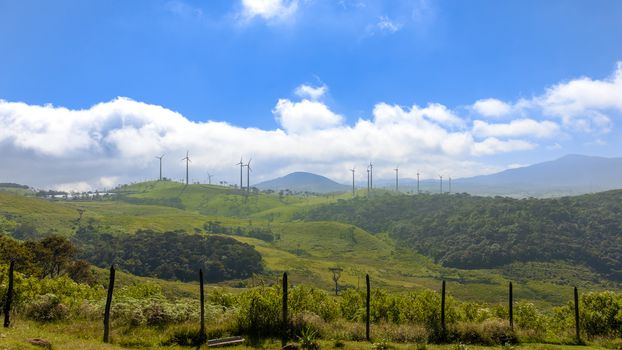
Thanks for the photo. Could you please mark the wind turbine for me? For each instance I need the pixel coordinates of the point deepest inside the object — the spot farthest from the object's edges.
(248, 175)
(160, 158)
(450, 185)
(187, 159)
(441, 176)
(352, 170)
(397, 169)
(209, 178)
(241, 164)
(367, 181)
(371, 175)
(418, 183)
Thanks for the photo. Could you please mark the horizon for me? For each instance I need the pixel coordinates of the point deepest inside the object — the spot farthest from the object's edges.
(91, 94)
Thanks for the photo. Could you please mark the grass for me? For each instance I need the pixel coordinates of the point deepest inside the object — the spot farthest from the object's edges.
(87, 335)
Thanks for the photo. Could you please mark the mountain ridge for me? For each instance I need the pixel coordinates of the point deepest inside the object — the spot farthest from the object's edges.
(301, 181)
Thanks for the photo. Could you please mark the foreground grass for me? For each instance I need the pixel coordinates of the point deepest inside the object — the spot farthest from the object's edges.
(87, 335)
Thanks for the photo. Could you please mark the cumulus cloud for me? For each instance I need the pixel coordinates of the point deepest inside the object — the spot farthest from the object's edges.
(313, 93)
(584, 103)
(491, 107)
(269, 9)
(516, 128)
(117, 141)
(305, 116)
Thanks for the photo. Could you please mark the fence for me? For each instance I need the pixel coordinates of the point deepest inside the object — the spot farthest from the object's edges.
(285, 324)
(285, 331)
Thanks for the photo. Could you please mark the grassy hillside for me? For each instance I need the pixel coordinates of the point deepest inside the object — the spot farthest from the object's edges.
(306, 249)
(464, 231)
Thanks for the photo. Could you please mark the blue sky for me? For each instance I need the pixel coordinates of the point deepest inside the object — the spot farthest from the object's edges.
(242, 62)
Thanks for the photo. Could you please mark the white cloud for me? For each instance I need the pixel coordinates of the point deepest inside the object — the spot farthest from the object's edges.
(385, 24)
(305, 116)
(492, 107)
(269, 9)
(117, 141)
(585, 104)
(516, 128)
(313, 93)
(492, 145)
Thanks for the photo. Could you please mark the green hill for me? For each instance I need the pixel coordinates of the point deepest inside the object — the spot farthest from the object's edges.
(359, 235)
(464, 231)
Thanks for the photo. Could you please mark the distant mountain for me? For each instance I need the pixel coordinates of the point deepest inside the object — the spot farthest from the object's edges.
(571, 174)
(303, 182)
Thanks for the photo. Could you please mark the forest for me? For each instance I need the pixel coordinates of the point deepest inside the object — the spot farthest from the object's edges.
(171, 255)
(472, 232)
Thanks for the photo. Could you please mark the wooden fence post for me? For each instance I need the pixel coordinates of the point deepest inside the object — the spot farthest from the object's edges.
(511, 307)
(285, 326)
(443, 328)
(9, 297)
(576, 315)
(108, 302)
(367, 307)
(202, 335)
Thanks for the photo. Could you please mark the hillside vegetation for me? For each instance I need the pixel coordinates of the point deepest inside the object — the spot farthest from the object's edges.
(359, 235)
(470, 232)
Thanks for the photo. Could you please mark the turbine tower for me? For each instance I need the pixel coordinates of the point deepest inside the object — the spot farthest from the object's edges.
(450, 185)
(209, 178)
(367, 181)
(441, 176)
(248, 176)
(352, 170)
(187, 159)
(160, 158)
(371, 175)
(241, 164)
(418, 191)
(397, 169)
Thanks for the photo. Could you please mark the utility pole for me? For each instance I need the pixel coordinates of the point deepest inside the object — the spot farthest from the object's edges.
(441, 184)
(450, 185)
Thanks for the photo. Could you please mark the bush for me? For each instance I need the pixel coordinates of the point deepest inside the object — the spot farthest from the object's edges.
(259, 311)
(488, 332)
(303, 299)
(601, 314)
(401, 333)
(47, 308)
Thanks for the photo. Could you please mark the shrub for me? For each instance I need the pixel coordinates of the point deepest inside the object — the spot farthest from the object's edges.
(259, 311)
(46, 308)
(303, 299)
(308, 339)
(489, 332)
(402, 333)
